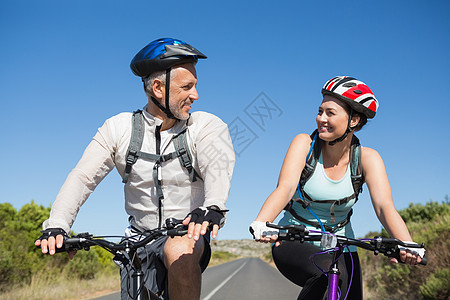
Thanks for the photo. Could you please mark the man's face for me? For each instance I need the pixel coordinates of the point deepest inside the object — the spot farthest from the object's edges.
(183, 90)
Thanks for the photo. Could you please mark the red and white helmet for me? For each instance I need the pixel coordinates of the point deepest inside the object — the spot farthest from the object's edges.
(353, 92)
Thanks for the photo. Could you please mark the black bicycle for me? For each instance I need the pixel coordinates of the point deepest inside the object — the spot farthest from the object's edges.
(336, 244)
(125, 253)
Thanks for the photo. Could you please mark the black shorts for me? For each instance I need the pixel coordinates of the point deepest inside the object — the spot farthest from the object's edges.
(151, 259)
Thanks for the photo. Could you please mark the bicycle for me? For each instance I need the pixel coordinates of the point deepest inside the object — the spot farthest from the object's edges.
(125, 253)
(336, 244)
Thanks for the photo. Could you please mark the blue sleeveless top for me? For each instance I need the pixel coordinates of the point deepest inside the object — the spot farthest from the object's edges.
(321, 187)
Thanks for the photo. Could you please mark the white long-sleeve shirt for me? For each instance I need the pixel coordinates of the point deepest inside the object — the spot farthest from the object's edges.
(212, 157)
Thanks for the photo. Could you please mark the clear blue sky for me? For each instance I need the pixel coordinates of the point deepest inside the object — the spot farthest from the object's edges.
(64, 69)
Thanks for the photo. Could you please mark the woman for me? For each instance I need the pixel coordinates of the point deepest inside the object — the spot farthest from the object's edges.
(329, 193)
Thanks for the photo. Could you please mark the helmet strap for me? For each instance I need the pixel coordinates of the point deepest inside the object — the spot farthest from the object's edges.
(349, 129)
(160, 106)
(165, 109)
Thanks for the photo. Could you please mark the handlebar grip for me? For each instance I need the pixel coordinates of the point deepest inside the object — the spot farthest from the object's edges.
(176, 232)
(57, 250)
(73, 243)
(424, 261)
(177, 229)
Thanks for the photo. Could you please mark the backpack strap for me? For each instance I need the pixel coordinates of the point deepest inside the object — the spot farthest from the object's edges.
(357, 177)
(310, 166)
(313, 156)
(137, 136)
(356, 166)
(134, 150)
(184, 155)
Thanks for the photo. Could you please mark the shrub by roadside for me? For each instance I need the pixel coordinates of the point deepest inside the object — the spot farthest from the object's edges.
(429, 224)
(24, 268)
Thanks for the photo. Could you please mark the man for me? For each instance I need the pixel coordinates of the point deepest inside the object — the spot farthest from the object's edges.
(158, 182)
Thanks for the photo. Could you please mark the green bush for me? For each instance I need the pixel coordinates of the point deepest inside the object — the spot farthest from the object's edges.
(437, 285)
(423, 213)
(85, 265)
(20, 259)
(430, 224)
(268, 256)
(223, 255)
(18, 256)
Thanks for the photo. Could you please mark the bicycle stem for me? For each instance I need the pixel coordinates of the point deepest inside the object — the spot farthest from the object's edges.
(333, 276)
(333, 283)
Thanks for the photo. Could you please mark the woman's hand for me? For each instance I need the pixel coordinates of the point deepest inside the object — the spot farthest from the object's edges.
(409, 255)
(262, 233)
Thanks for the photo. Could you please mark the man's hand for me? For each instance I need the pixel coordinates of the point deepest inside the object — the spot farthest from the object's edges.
(51, 240)
(202, 218)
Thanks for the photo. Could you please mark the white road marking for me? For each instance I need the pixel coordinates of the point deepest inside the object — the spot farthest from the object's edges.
(223, 283)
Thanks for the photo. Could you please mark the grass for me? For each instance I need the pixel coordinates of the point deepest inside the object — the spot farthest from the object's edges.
(63, 288)
(41, 287)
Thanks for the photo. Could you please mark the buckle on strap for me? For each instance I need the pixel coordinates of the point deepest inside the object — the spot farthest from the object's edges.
(131, 157)
(166, 157)
(183, 155)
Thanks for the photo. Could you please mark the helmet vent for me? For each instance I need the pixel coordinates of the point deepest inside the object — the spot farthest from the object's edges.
(349, 84)
(359, 92)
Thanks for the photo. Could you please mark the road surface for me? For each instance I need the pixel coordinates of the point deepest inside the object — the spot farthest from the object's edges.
(245, 278)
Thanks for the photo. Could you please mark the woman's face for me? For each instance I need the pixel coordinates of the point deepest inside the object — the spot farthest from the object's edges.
(332, 118)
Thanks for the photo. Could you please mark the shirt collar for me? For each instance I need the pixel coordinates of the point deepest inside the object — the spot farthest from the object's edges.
(155, 121)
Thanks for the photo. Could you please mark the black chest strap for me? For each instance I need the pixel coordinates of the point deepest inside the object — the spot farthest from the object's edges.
(134, 152)
(316, 224)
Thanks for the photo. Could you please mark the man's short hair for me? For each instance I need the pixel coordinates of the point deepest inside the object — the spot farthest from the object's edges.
(160, 75)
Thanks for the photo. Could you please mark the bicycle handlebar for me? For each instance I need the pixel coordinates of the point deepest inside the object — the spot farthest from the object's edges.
(387, 246)
(84, 241)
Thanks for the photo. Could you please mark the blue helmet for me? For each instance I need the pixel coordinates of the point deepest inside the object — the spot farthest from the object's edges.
(162, 54)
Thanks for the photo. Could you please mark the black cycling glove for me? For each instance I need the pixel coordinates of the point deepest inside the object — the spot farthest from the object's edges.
(211, 214)
(52, 232)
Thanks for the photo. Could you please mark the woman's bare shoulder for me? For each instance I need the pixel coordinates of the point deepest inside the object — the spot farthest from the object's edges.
(302, 139)
(300, 145)
(370, 158)
(369, 153)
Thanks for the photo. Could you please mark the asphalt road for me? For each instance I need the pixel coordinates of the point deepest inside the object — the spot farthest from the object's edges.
(245, 278)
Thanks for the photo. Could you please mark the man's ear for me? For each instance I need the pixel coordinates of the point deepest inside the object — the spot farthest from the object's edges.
(158, 89)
